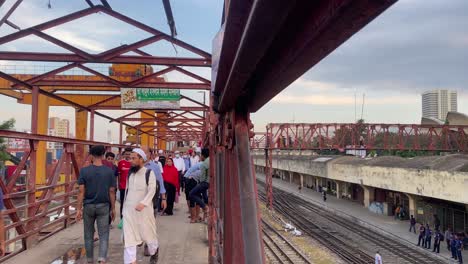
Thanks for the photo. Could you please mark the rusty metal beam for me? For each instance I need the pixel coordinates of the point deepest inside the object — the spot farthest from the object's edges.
(123, 59)
(10, 11)
(105, 85)
(170, 17)
(154, 31)
(62, 44)
(54, 96)
(39, 137)
(90, 3)
(150, 76)
(295, 36)
(191, 74)
(166, 120)
(126, 48)
(50, 24)
(106, 4)
(182, 108)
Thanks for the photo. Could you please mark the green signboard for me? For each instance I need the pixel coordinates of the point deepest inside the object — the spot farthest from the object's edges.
(149, 98)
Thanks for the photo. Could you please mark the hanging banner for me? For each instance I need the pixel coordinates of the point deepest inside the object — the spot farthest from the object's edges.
(149, 98)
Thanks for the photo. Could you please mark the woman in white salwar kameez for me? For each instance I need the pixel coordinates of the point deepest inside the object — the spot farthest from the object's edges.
(139, 223)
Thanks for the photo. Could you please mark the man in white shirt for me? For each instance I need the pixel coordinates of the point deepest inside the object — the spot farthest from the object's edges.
(194, 157)
(180, 166)
(378, 258)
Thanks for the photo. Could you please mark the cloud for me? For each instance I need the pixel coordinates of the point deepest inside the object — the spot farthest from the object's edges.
(330, 100)
(420, 44)
(313, 85)
(78, 41)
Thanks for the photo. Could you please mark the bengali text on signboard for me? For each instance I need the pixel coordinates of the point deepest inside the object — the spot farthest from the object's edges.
(150, 98)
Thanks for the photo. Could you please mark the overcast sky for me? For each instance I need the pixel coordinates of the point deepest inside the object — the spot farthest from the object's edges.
(415, 45)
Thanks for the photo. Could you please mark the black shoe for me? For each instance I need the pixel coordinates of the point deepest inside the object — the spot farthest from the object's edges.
(154, 258)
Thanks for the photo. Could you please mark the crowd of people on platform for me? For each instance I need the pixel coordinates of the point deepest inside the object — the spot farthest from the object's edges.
(147, 183)
(455, 242)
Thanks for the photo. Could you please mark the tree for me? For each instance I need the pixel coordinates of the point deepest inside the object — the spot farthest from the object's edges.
(6, 125)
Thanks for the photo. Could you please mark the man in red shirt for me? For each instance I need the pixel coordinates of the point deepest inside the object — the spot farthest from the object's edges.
(123, 167)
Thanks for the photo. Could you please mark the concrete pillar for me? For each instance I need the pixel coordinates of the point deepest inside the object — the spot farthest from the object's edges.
(317, 183)
(368, 195)
(302, 180)
(412, 204)
(339, 189)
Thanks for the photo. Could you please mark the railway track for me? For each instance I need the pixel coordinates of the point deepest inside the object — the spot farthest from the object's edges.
(278, 249)
(350, 241)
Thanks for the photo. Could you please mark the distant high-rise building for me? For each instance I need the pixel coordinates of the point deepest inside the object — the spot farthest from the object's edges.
(58, 128)
(437, 103)
(61, 127)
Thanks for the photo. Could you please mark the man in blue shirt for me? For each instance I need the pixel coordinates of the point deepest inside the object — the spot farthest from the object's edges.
(2, 226)
(150, 164)
(192, 176)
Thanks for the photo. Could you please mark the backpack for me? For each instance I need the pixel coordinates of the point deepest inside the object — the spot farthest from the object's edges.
(158, 188)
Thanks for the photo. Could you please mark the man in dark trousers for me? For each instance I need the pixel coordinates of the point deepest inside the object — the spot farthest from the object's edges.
(437, 239)
(459, 248)
(448, 237)
(412, 224)
(96, 200)
(453, 246)
(428, 237)
(422, 230)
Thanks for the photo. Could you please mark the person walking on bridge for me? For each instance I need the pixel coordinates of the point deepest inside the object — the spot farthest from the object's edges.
(180, 166)
(139, 223)
(171, 183)
(123, 167)
(95, 199)
(161, 191)
(203, 185)
(378, 258)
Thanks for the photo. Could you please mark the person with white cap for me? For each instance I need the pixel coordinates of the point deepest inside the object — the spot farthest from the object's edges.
(180, 166)
(139, 224)
(161, 157)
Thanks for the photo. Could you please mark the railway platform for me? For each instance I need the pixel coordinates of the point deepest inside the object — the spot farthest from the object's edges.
(180, 242)
(385, 225)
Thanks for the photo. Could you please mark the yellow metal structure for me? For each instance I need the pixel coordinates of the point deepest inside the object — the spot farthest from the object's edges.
(119, 72)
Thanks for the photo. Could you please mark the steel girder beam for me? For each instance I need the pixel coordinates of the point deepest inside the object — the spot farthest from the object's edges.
(182, 108)
(170, 17)
(163, 120)
(66, 84)
(99, 8)
(9, 12)
(39, 137)
(122, 59)
(295, 35)
(54, 96)
(367, 137)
